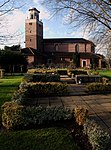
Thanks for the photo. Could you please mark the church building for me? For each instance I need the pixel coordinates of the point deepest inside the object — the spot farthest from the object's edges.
(55, 51)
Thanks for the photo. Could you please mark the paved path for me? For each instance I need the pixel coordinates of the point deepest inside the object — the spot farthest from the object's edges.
(99, 106)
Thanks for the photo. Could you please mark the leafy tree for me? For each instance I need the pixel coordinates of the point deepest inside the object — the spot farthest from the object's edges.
(9, 60)
(13, 48)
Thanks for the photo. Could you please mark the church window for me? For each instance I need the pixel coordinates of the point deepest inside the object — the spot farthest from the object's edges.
(77, 48)
(56, 47)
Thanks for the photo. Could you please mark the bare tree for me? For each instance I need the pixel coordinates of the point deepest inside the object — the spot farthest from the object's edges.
(93, 15)
(7, 7)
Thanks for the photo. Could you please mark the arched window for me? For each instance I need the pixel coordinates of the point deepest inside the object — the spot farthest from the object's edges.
(77, 48)
(56, 47)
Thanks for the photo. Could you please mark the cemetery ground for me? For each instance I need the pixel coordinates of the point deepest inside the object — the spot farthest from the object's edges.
(99, 107)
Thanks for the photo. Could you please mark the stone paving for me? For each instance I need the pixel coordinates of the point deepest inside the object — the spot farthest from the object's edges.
(99, 106)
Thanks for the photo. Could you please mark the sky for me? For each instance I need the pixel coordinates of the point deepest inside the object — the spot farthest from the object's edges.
(13, 24)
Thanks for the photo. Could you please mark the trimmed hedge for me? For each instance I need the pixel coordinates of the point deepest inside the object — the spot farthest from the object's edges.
(62, 71)
(29, 91)
(34, 71)
(99, 87)
(11, 115)
(41, 78)
(16, 116)
(76, 72)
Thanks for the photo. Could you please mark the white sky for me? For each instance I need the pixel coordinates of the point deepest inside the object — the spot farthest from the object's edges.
(14, 24)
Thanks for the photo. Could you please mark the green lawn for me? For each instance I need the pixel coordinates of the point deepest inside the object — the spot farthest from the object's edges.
(42, 139)
(7, 87)
(105, 73)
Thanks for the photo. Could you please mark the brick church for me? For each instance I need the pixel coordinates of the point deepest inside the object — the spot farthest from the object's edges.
(55, 51)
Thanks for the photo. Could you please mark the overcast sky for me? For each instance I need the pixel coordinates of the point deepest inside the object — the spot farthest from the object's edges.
(13, 24)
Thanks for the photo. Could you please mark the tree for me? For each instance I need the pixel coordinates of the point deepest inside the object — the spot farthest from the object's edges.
(93, 15)
(7, 7)
(10, 60)
(14, 48)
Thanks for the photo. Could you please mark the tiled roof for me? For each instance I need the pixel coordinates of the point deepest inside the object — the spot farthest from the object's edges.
(70, 54)
(67, 40)
(88, 55)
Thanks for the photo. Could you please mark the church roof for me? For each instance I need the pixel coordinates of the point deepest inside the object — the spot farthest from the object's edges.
(67, 40)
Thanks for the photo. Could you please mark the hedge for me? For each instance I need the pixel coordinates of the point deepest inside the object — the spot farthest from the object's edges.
(41, 78)
(99, 87)
(16, 116)
(29, 91)
(76, 72)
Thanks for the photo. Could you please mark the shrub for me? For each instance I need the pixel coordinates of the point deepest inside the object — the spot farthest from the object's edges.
(105, 80)
(11, 115)
(41, 78)
(41, 115)
(34, 71)
(62, 71)
(98, 138)
(99, 87)
(21, 96)
(28, 92)
(16, 116)
(80, 114)
(76, 72)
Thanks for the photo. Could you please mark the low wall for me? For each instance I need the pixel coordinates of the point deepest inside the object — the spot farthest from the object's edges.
(81, 79)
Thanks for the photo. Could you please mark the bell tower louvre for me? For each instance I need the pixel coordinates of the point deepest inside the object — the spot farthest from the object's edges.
(34, 31)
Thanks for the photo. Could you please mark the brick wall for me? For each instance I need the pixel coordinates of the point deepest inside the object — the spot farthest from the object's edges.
(66, 47)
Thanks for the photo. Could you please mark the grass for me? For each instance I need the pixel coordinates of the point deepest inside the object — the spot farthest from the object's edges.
(42, 139)
(7, 87)
(105, 73)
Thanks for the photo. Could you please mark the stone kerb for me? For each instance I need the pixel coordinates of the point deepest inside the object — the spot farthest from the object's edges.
(81, 79)
(2, 71)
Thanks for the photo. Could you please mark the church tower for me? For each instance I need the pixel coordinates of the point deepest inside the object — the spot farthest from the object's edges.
(34, 30)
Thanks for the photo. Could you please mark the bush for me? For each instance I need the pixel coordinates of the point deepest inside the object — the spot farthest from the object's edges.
(99, 87)
(98, 138)
(16, 116)
(76, 72)
(105, 80)
(80, 114)
(11, 115)
(35, 71)
(29, 91)
(41, 78)
(62, 71)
